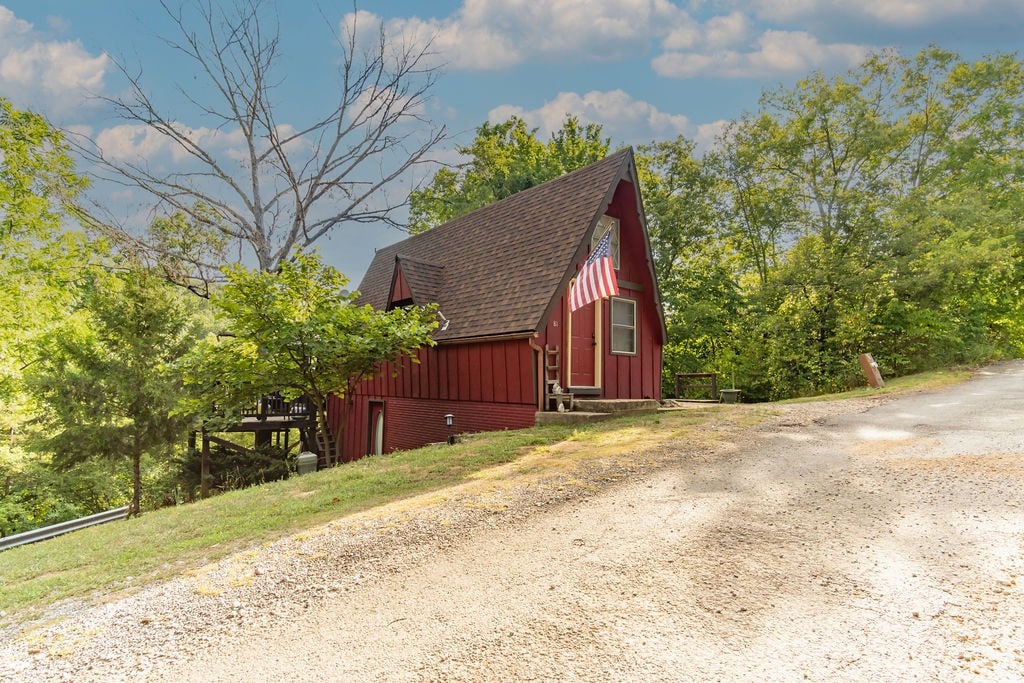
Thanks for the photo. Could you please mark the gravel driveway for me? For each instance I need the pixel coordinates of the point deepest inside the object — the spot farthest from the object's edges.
(857, 540)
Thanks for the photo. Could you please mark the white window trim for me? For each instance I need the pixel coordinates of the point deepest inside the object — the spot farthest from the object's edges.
(612, 325)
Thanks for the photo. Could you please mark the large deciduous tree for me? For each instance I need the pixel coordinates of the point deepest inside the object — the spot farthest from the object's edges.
(877, 211)
(248, 173)
(682, 199)
(108, 381)
(300, 332)
(503, 159)
(36, 257)
(39, 262)
(36, 176)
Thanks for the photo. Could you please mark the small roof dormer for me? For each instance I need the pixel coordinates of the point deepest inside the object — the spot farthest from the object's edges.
(415, 282)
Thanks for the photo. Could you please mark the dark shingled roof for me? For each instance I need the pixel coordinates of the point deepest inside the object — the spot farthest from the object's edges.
(495, 271)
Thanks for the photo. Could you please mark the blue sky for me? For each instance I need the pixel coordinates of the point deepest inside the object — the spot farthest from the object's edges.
(644, 69)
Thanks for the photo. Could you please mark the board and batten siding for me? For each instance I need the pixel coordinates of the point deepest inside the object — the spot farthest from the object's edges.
(622, 376)
(486, 385)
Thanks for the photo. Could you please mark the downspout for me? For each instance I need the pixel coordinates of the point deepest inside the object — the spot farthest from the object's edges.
(538, 388)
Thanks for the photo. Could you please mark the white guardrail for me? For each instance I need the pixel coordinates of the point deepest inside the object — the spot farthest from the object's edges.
(62, 528)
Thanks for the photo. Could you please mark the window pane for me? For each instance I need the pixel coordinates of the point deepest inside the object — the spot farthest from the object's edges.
(622, 312)
(623, 340)
(623, 326)
(604, 224)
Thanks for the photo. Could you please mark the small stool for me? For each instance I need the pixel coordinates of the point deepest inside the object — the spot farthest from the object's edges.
(560, 399)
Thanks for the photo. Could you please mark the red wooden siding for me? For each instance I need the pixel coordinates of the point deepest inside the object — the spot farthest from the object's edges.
(399, 288)
(491, 383)
(622, 376)
(639, 375)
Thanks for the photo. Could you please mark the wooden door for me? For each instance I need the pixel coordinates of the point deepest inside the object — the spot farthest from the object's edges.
(376, 428)
(585, 346)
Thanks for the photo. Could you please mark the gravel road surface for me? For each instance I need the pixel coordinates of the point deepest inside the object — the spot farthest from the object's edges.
(870, 539)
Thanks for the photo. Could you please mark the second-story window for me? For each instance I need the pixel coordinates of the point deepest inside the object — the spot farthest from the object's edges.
(604, 224)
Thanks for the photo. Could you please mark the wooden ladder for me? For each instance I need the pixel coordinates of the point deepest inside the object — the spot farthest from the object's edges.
(553, 395)
(328, 454)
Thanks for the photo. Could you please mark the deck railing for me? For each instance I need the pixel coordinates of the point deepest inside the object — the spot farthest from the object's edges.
(272, 405)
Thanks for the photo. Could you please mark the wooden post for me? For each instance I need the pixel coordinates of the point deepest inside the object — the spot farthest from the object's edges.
(204, 468)
(870, 368)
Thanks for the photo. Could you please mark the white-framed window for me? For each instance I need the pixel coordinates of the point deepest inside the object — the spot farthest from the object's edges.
(604, 224)
(623, 326)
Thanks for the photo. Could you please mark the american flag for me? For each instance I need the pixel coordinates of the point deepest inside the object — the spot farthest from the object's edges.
(596, 280)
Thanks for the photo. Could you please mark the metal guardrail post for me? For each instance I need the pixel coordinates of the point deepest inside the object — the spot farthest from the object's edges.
(54, 530)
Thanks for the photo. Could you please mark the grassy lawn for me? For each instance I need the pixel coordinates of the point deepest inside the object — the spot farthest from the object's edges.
(925, 381)
(164, 543)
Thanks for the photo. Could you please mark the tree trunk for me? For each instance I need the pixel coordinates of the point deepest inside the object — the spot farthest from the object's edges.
(204, 468)
(136, 508)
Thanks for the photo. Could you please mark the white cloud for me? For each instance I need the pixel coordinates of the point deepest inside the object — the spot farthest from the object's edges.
(132, 142)
(53, 77)
(493, 34)
(727, 30)
(622, 118)
(498, 34)
(707, 134)
(784, 10)
(901, 13)
(137, 143)
(773, 53)
(914, 12)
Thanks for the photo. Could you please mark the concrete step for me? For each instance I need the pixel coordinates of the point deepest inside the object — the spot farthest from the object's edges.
(571, 418)
(617, 406)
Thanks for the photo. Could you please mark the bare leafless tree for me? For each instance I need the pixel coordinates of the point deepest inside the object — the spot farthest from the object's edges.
(285, 185)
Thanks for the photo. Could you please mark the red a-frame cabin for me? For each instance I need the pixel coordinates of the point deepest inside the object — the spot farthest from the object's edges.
(501, 277)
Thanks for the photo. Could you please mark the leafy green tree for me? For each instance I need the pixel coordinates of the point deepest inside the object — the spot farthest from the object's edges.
(956, 229)
(682, 197)
(300, 332)
(107, 381)
(504, 158)
(187, 248)
(33, 494)
(35, 176)
(38, 259)
(41, 258)
(876, 211)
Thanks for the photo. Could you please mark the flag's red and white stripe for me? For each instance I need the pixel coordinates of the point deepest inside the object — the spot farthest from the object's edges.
(596, 280)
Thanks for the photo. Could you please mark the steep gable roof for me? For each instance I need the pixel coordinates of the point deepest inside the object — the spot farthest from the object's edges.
(495, 271)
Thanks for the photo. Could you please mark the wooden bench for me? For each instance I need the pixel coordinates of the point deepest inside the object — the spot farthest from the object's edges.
(710, 385)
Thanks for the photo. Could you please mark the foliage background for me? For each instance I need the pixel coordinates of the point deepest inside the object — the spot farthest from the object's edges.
(881, 211)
